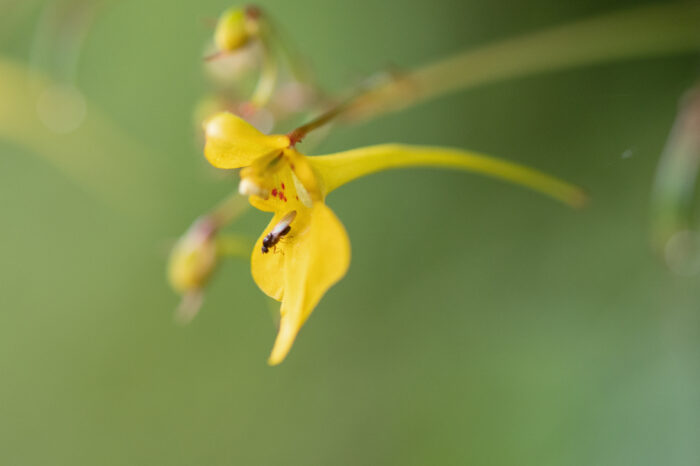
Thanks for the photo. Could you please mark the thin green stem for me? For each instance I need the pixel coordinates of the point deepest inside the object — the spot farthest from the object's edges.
(647, 31)
(677, 172)
(300, 133)
(229, 209)
(282, 43)
(268, 75)
(234, 246)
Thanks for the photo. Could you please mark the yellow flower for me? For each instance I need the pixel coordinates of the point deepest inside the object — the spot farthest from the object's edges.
(304, 260)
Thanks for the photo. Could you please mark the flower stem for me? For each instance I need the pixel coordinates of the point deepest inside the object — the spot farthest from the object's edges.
(299, 133)
(646, 31)
(677, 173)
(235, 246)
(268, 75)
(229, 209)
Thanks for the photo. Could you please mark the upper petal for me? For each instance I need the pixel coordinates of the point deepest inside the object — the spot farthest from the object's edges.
(232, 142)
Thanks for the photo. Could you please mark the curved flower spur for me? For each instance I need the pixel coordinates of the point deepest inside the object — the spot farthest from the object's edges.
(305, 249)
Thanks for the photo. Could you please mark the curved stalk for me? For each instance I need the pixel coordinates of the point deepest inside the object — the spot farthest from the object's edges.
(647, 31)
(338, 169)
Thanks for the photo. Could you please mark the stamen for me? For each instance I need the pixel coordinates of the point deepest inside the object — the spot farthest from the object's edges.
(254, 177)
(269, 163)
(302, 194)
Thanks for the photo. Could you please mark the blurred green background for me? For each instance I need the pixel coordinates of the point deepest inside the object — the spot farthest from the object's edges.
(479, 323)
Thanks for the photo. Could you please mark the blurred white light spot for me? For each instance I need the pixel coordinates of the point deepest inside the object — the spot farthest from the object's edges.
(682, 253)
(61, 108)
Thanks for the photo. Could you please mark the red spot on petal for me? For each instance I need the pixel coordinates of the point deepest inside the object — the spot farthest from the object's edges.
(283, 186)
(297, 197)
(274, 192)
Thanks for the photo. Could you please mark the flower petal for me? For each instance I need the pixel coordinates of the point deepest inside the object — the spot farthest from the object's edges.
(305, 173)
(267, 269)
(232, 142)
(284, 196)
(318, 258)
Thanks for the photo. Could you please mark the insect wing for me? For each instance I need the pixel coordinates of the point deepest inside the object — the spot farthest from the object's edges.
(283, 224)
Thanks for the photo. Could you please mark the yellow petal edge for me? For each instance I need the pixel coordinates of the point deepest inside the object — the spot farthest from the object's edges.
(233, 143)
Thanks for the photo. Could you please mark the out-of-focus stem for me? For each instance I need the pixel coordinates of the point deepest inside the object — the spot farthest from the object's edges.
(229, 209)
(676, 176)
(268, 75)
(235, 246)
(280, 40)
(299, 133)
(60, 36)
(647, 31)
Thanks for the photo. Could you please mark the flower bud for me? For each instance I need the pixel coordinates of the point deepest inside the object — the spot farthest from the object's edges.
(231, 31)
(193, 258)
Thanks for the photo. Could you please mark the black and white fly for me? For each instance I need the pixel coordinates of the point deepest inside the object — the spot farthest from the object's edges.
(279, 230)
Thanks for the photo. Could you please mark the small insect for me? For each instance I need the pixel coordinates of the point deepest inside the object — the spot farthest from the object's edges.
(281, 229)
